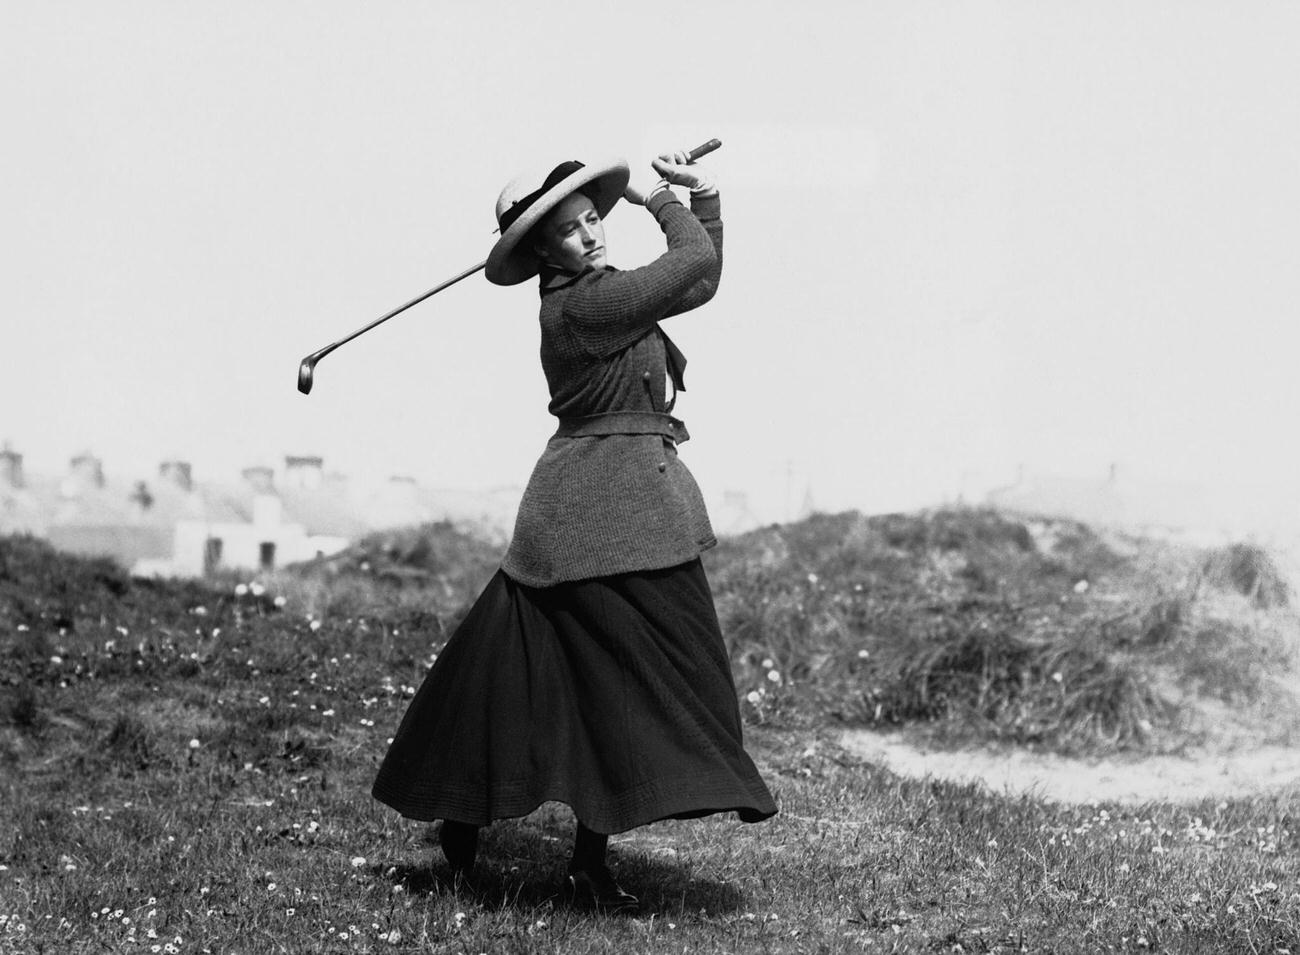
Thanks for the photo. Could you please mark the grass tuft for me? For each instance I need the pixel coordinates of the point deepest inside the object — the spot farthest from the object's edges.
(128, 742)
(23, 704)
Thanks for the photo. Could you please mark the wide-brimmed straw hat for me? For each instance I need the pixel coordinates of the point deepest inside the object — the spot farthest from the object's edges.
(528, 197)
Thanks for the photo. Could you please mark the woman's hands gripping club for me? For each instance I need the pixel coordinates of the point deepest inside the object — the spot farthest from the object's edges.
(675, 169)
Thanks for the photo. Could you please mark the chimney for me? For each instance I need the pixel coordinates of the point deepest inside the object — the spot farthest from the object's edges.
(260, 479)
(178, 474)
(304, 472)
(85, 473)
(11, 469)
(402, 487)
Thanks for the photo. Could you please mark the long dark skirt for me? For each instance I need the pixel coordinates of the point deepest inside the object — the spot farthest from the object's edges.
(613, 695)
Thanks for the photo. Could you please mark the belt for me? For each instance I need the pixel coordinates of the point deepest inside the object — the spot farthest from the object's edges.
(624, 422)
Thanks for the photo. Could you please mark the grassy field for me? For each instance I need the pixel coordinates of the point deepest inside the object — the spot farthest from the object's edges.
(186, 766)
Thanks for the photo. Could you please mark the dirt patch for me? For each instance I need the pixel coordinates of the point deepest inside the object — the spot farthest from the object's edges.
(1188, 778)
(1155, 778)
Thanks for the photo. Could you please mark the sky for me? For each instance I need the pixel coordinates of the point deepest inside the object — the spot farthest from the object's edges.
(962, 239)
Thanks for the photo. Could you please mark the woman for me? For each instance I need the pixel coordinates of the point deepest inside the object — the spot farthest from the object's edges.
(591, 670)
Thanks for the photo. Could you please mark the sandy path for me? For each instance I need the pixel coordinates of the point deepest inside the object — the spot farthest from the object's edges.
(1156, 778)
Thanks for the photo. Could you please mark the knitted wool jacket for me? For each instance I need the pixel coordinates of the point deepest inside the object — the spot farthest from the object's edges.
(612, 504)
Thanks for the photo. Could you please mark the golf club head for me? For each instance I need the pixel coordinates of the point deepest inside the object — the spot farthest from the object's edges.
(304, 375)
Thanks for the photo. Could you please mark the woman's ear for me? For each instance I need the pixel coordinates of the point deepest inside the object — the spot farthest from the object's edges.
(539, 250)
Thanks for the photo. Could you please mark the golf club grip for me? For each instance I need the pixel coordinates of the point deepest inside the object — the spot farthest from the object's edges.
(703, 149)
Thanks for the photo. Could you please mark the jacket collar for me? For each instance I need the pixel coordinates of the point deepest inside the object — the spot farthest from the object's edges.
(552, 279)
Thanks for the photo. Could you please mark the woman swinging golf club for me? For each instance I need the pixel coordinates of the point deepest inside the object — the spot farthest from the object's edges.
(591, 670)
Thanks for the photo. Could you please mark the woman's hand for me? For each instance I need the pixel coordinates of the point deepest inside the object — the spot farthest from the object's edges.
(640, 187)
(677, 168)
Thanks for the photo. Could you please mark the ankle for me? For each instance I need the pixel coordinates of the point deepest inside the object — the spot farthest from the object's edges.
(588, 850)
(459, 841)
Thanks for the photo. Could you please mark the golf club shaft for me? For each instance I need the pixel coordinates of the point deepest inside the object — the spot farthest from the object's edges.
(401, 308)
(309, 363)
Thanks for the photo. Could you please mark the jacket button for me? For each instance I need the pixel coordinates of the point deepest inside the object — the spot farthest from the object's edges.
(645, 376)
(663, 466)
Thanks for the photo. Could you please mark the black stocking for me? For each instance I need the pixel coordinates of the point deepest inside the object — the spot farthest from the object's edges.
(459, 842)
(588, 849)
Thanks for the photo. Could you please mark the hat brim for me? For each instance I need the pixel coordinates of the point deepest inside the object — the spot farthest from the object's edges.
(509, 262)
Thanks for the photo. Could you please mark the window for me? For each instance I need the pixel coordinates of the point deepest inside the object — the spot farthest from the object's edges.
(211, 554)
(266, 555)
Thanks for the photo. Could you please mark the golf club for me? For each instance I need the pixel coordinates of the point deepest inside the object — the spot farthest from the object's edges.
(308, 366)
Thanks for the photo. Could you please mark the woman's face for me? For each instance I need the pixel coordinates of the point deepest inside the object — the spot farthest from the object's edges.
(572, 237)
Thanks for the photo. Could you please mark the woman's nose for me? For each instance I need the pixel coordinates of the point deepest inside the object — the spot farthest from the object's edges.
(588, 235)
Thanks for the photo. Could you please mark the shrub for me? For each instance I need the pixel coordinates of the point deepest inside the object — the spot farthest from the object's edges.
(1251, 572)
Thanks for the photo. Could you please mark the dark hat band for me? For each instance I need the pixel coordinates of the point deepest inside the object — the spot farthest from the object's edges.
(517, 208)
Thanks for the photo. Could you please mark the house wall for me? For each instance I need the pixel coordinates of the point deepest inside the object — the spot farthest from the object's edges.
(241, 546)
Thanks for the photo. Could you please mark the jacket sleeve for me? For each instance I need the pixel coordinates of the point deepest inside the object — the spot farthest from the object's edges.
(709, 212)
(610, 310)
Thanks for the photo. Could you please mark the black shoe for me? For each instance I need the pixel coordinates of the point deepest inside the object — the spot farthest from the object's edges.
(595, 886)
(459, 841)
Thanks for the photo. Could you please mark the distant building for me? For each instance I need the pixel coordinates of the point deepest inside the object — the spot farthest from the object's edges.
(258, 527)
(174, 526)
(263, 542)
